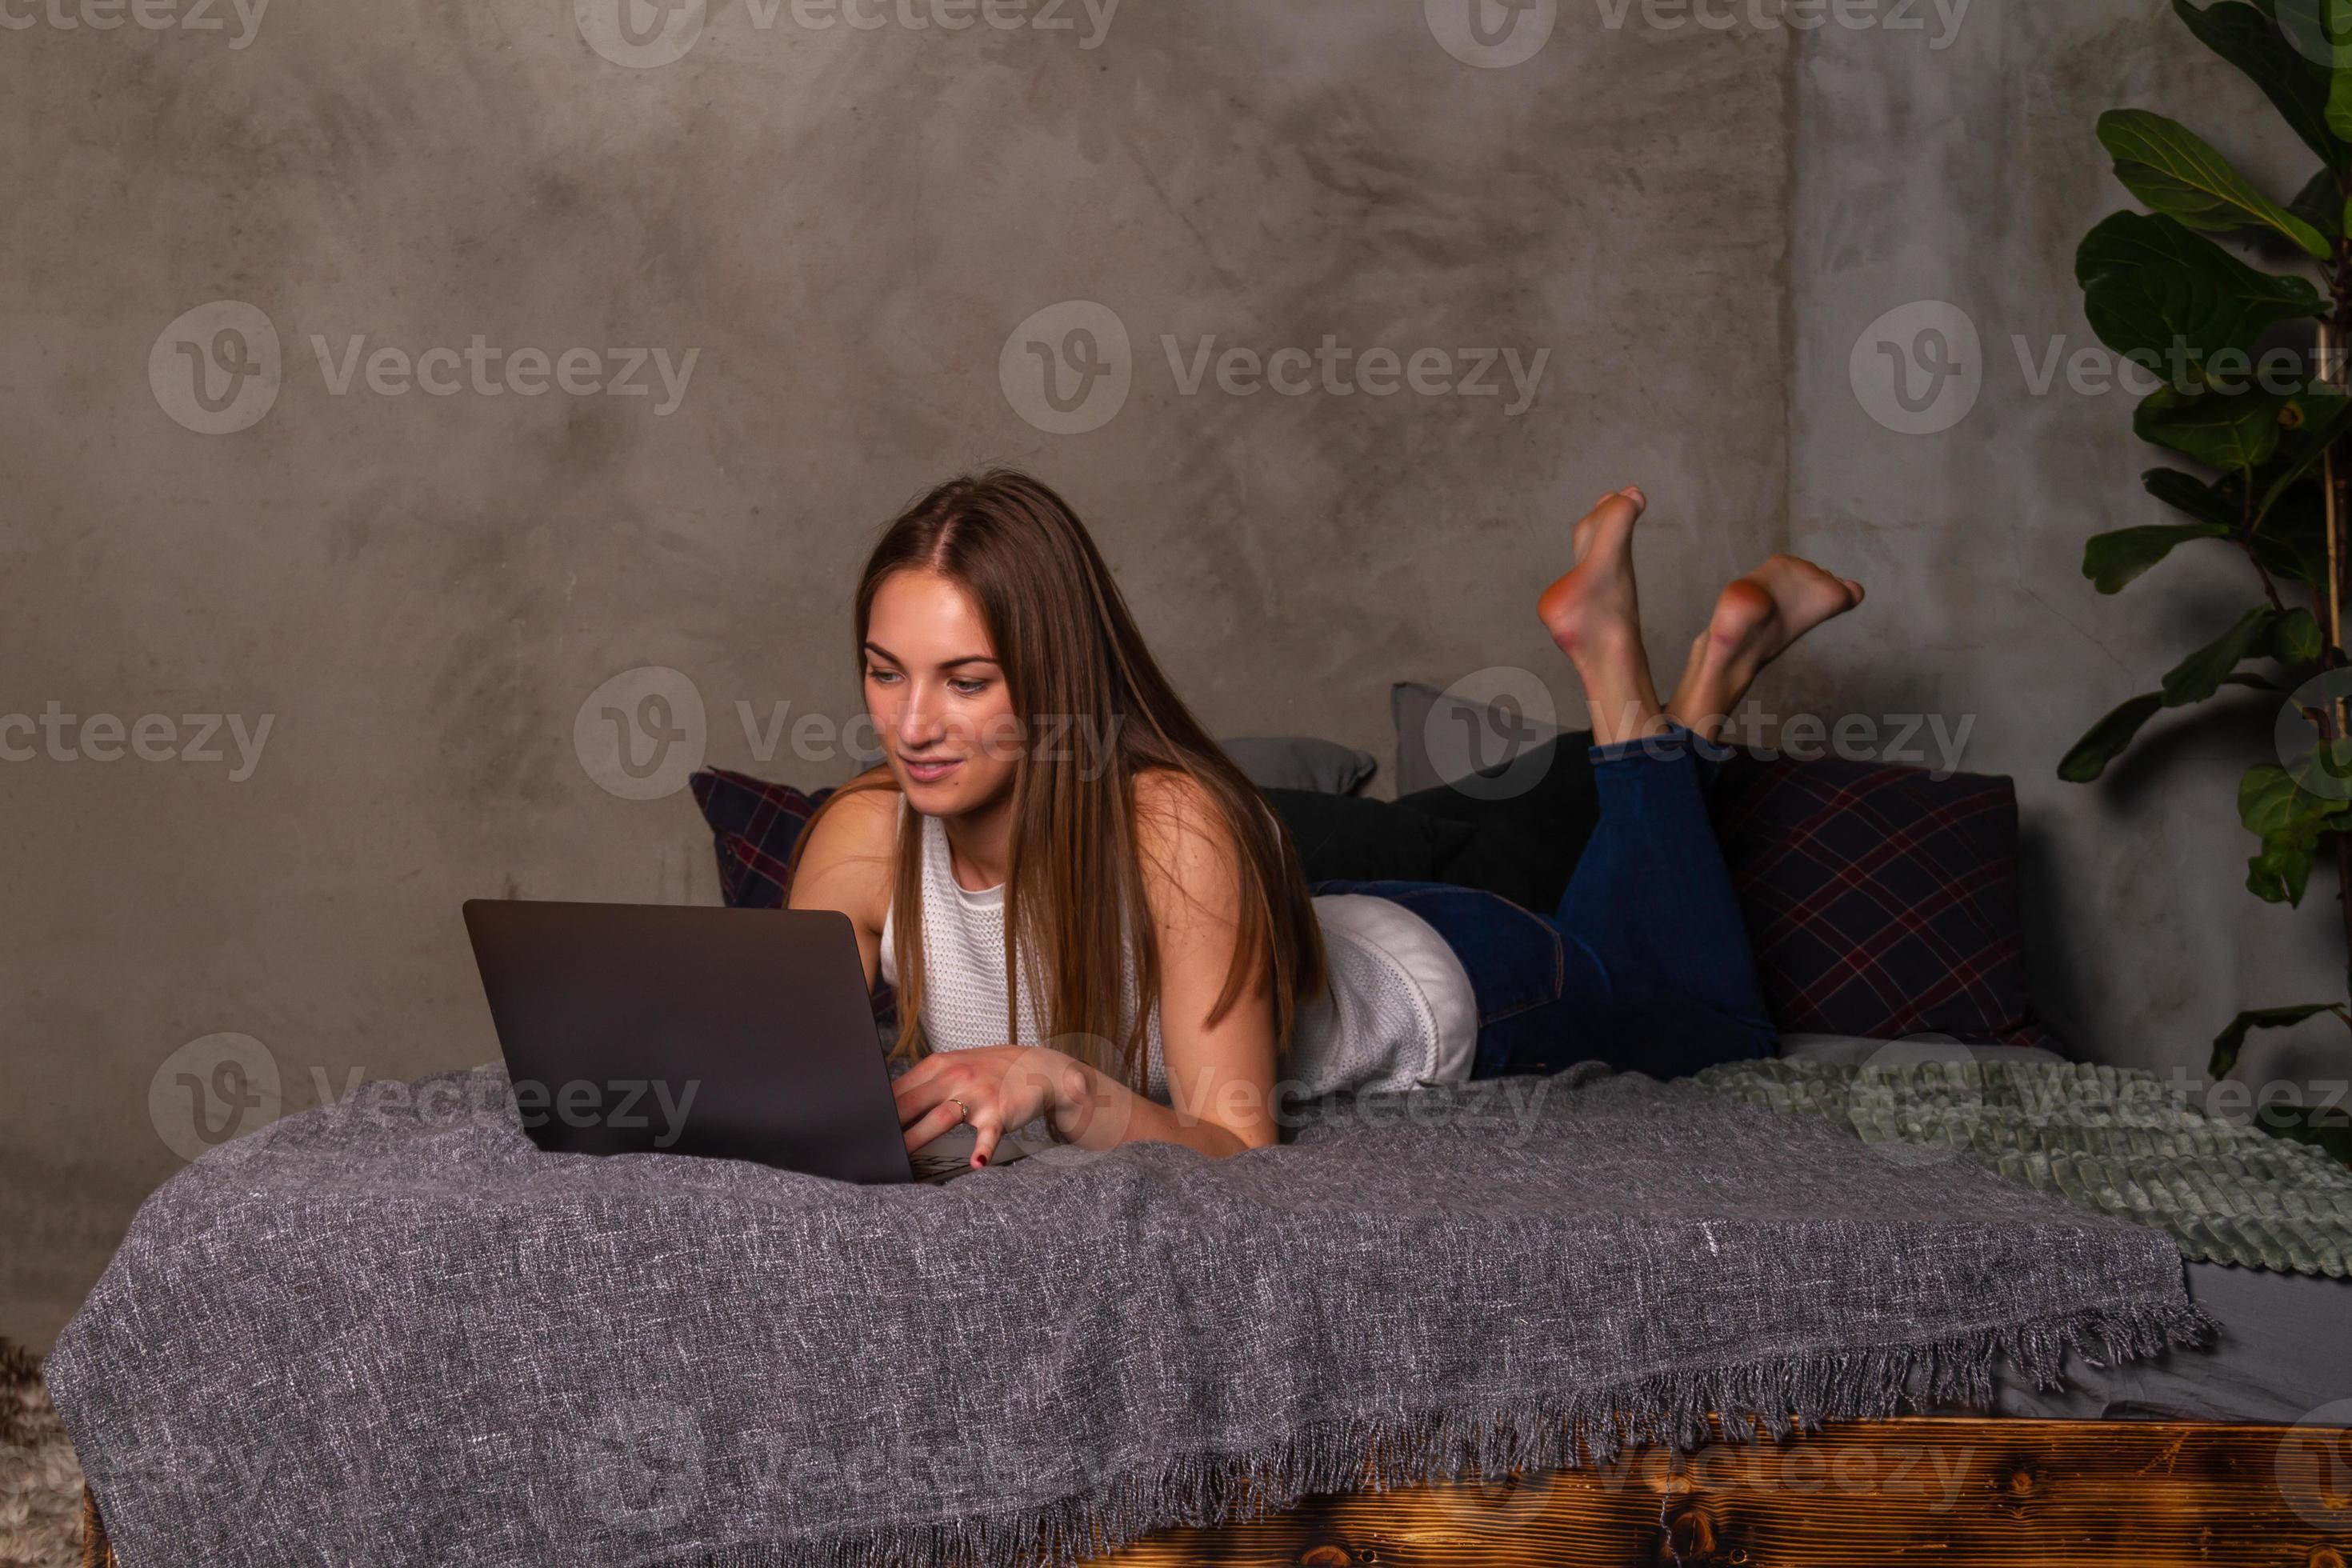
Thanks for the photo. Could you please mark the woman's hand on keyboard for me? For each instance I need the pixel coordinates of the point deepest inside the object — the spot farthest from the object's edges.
(1001, 1087)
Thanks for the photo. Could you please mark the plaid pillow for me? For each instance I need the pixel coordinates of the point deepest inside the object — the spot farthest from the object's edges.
(1880, 902)
(755, 825)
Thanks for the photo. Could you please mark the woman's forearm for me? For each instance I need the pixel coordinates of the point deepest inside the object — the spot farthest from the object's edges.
(1097, 1111)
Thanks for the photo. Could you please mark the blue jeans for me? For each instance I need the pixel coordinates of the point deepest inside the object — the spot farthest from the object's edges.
(1645, 965)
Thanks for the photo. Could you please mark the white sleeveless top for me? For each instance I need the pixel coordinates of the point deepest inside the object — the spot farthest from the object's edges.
(1401, 1012)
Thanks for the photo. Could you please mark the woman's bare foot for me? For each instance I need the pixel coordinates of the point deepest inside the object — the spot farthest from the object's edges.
(1594, 615)
(1756, 620)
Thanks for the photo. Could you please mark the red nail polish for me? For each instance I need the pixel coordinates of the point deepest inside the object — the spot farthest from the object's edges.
(980, 1158)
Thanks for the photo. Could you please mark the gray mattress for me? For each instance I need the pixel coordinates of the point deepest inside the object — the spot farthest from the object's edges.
(2283, 1351)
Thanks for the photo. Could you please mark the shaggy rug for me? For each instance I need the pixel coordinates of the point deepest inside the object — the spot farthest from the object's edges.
(40, 1479)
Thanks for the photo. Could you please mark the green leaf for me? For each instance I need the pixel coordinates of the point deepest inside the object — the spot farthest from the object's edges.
(2320, 203)
(2232, 1040)
(2270, 803)
(2280, 872)
(2106, 740)
(2111, 560)
(2251, 40)
(2290, 821)
(2296, 638)
(2293, 543)
(2223, 432)
(2309, 425)
(2154, 288)
(2200, 675)
(2171, 169)
(2221, 504)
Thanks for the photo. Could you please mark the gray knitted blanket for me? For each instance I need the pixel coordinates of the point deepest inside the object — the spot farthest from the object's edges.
(392, 1331)
(2111, 1138)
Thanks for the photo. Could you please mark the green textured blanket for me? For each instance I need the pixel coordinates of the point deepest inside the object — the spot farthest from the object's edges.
(2117, 1139)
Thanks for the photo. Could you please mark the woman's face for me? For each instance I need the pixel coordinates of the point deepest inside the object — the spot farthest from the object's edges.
(939, 700)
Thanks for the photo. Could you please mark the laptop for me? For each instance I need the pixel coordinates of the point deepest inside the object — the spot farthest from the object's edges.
(727, 1034)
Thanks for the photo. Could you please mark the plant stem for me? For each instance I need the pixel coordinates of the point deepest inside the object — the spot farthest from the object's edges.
(2333, 336)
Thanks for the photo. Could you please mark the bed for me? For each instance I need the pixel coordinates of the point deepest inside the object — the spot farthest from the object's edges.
(2239, 1453)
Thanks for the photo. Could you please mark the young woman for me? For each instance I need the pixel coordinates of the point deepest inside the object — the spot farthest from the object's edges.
(1094, 919)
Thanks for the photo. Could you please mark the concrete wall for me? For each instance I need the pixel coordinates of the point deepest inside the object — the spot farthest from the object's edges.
(1968, 176)
(425, 595)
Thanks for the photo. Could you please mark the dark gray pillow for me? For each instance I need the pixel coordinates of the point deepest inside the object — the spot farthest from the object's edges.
(1441, 738)
(1300, 761)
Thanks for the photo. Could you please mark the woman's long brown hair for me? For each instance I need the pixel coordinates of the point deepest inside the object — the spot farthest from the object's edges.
(1072, 657)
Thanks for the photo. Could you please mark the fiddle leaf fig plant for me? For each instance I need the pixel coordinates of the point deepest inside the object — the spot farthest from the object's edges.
(2268, 444)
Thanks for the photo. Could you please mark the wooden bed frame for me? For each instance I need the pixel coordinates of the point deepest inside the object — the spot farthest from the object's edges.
(1954, 1492)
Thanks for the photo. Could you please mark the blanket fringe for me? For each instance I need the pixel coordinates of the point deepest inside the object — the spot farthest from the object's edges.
(1378, 1452)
